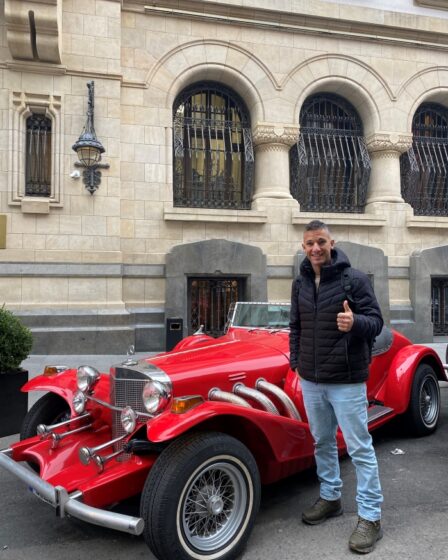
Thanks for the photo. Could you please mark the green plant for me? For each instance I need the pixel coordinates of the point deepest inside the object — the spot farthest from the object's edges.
(16, 341)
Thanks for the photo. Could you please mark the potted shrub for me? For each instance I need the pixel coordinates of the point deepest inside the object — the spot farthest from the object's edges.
(15, 345)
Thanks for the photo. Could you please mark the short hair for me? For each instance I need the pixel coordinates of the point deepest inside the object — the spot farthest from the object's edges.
(314, 225)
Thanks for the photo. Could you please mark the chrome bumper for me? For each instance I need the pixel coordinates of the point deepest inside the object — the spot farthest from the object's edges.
(66, 504)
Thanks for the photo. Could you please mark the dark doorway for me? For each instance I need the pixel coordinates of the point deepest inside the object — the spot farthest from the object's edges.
(209, 302)
(439, 305)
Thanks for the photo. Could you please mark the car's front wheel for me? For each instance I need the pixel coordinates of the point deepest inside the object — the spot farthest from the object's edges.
(201, 498)
(424, 405)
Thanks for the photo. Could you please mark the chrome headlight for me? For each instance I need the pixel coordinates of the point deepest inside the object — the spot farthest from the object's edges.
(156, 396)
(128, 419)
(79, 402)
(86, 377)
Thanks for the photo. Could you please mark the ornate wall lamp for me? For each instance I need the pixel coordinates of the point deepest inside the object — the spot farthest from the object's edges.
(89, 148)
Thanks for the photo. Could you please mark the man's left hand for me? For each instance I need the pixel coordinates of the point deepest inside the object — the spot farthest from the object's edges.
(345, 319)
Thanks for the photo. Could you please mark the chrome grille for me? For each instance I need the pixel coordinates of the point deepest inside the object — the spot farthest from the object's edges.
(127, 381)
(125, 392)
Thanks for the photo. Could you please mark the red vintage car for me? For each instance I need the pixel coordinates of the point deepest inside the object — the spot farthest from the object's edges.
(197, 431)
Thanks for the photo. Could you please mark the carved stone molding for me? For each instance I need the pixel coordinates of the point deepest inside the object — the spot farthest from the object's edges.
(385, 144)
(270, 134)
(33, 29)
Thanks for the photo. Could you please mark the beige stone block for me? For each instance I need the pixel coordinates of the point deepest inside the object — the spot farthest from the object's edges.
(94, 225)
(10, 290)
(127, 190)
(80, 243)
(105, 206)
(155, 173)
(87, 290)
(147, 229)
(154, 134)
(193, 232)
(399, 290)
(14, 241)
(216, 231)
(72, 22)
(113, 187)
(37, 83)
(95, 26)
(31, 241)
(108, 243)
(143, 59)
(131, 246)
(127, 229)
(107, 9)
(114, 290)
(147, 153)
(133, 290)
(47, 224)
(82, 205)
(102, 257)
(132, 133)
(154, 289)
(114, 28)
(22, 223)
(56, 242)
(18, 255)
(107, 48)
(132, 96)
(52, 291)
(153, 22)
(127, 56)
(279, 289)
(170, 230)
(82, 45)
(128, 119)
(131, 39)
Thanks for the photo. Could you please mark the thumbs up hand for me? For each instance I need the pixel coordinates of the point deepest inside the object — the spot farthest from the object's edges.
(344, 320)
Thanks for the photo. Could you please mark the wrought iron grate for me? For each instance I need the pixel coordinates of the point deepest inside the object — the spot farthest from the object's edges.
(213, 152)
(330, 164)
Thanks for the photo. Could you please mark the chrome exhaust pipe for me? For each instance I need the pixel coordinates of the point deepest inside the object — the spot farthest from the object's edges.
(243, 391)
(56, 438)
(100, 461)
(44, 430)
(288, 404)
(86, 454)
(216, 394)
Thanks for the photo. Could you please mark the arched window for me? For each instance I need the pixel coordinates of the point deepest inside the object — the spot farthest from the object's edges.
(38, 155)
(213, 153)
(424, 168)
(329, 165)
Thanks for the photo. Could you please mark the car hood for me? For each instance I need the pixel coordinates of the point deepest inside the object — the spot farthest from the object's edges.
(254, 356)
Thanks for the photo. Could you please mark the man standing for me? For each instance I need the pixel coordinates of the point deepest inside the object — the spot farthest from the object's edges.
(331, 331)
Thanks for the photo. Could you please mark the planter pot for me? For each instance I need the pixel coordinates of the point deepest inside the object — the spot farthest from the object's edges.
(13, 403)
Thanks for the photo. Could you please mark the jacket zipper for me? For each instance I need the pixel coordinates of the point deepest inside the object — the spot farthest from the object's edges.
(346, 358)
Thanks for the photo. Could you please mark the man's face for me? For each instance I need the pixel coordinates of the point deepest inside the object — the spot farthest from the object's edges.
(317, 245)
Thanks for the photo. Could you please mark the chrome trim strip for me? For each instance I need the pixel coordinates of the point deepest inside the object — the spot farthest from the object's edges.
(286, 401)
(58, 497)
(243, 391)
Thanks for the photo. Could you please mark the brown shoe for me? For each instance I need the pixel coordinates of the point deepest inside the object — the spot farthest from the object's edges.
(322, 510)
(364, 537)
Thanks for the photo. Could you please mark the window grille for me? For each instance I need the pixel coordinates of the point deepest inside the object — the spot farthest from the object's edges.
(213, 152)
(38, 156)
(439, 306)
(424, 167)
(330, 164)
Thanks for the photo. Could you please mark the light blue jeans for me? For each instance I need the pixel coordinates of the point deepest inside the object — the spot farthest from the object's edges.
(328, 405)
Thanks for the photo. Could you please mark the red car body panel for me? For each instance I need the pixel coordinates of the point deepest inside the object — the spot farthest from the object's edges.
(280, 445)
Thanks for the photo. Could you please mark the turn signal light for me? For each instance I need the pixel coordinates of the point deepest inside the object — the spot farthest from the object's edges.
(184, 404)
(53, 370)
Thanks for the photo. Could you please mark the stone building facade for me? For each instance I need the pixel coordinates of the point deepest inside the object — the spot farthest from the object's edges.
(227, 126)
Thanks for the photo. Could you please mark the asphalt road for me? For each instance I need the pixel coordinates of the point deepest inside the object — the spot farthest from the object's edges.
(415, 515)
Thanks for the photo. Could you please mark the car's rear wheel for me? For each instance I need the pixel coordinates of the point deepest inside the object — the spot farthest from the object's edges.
(201, 498)
(424, 405)
(49, 409)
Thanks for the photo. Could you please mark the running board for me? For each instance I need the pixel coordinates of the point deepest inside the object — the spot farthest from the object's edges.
(377, 411)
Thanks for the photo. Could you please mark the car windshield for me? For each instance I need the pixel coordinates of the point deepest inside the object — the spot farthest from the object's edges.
(259, 315)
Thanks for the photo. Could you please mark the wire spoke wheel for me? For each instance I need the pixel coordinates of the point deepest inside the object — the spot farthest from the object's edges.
(214, 506)
(429, 400)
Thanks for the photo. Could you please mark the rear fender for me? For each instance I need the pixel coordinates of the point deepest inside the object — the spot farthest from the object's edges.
(401, 374)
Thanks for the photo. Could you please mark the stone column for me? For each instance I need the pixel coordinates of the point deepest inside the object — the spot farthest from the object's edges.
(385, 149)
(272, 143)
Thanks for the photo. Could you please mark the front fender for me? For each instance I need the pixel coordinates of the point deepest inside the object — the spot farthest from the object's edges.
(402, 371)
(64, 384)
(288, 439)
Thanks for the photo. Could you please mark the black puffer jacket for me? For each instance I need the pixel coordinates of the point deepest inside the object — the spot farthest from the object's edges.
(319, 350)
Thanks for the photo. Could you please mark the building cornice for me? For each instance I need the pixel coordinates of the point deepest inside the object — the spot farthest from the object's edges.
(372, 24)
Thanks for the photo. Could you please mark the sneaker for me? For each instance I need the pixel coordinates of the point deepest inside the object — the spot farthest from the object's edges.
(322, 510)
(365, 535)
